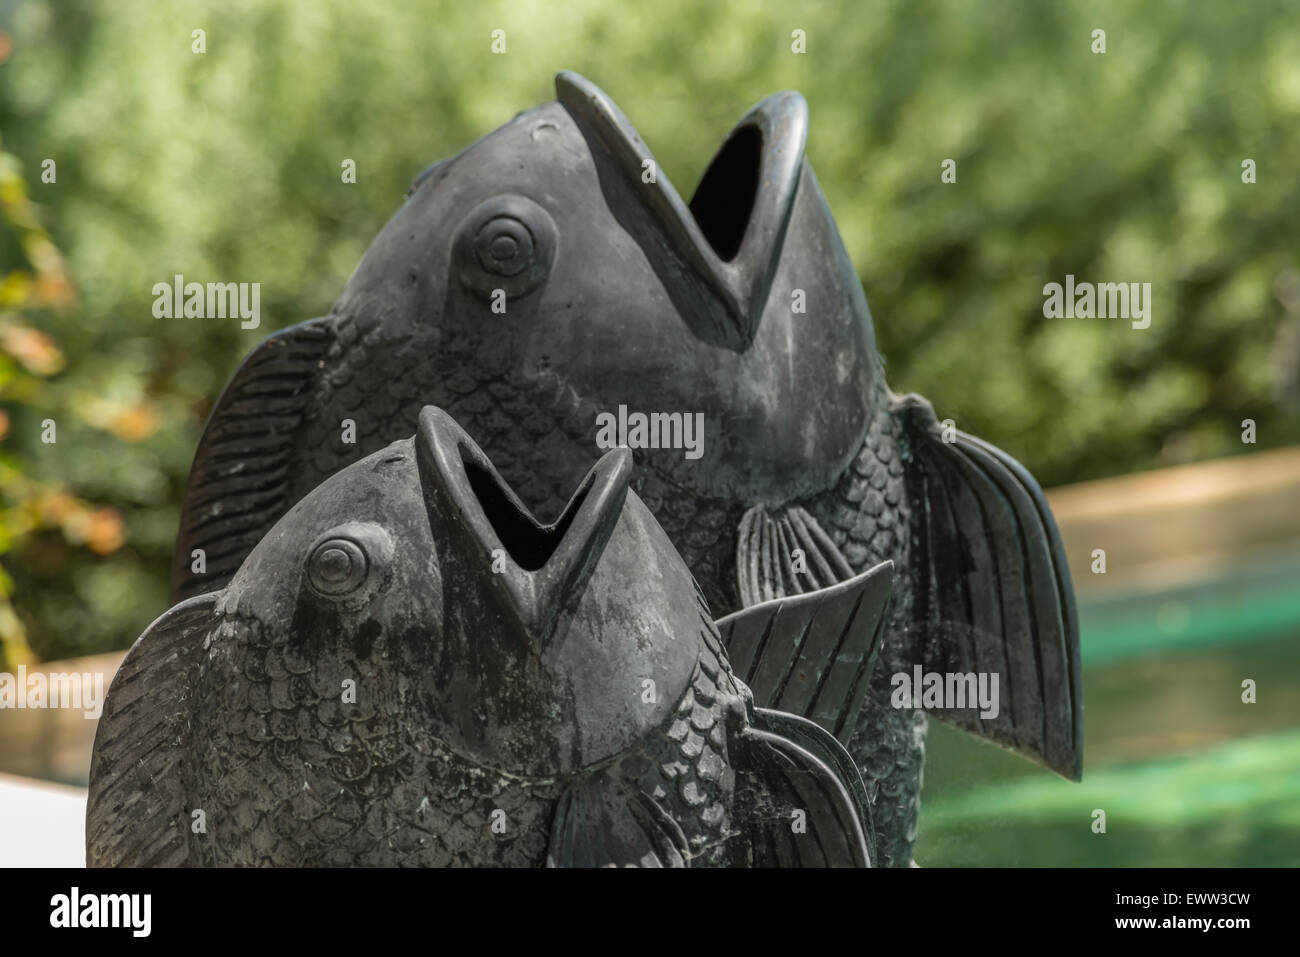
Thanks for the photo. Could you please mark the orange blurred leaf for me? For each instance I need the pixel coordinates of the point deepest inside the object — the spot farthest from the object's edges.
(53, 289)
(34, 349)
(136, 422)
(131, 421)
(105, 534)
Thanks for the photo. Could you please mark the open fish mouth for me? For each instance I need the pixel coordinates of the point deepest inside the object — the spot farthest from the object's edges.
(547, 566)
(731, 234)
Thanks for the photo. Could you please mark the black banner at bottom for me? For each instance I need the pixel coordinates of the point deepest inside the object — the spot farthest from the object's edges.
(334, 906)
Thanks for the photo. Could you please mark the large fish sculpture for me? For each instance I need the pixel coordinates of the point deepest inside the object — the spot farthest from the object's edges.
(549, 275)
(410, 670)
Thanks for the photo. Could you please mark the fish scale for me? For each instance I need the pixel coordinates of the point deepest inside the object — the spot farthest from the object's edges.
(862, 514)
(376, 789)
(889, 744)
(349, 799)
(623, 298)
(542, 466)
(411, 711)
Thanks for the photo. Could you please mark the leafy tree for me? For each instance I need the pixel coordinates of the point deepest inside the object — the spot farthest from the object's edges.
(32, 509)
(1116, 166)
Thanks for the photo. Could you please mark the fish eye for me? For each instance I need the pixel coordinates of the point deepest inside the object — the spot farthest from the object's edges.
(507, 243)
(504, 246)
(347, 559)
(337, 567)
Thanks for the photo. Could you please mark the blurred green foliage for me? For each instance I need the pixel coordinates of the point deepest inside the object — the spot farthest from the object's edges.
(1122, 166)
(35, 282)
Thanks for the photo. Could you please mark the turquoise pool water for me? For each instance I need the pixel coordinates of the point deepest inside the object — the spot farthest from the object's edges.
(1186, 773)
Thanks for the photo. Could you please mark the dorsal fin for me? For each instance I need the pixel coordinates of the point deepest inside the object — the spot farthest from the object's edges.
(248, 457)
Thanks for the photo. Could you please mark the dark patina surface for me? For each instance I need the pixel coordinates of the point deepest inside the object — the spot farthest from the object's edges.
(409, 669)
(617, 292)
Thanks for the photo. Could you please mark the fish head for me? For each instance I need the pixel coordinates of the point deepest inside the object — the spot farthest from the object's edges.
(349, 577)
(524, 648)
(556, 256)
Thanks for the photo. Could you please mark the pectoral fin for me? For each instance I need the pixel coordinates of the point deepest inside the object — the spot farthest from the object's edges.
(604, 820)
(135, 813)
(793, 807)
(812, 654)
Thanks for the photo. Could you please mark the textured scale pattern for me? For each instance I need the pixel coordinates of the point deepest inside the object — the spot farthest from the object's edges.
(540, 433)
(541, 437)
(980, 570)
(296, 777)
(694, 775)
(868, 516)
(288, 775)
(542, 441)
(980, 567)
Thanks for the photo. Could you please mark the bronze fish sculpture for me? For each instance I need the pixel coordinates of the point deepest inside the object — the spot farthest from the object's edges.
(550, 275)
(409, 669)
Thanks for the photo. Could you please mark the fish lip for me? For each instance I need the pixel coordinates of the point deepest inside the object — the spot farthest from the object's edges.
(538, 595)
(741, 283)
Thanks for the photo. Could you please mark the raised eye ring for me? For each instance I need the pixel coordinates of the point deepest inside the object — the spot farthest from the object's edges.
(504, 246)
(506, 242)
(349, 561)
(337, 567)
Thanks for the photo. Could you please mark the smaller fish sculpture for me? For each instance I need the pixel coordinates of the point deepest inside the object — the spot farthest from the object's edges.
(409, 669)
